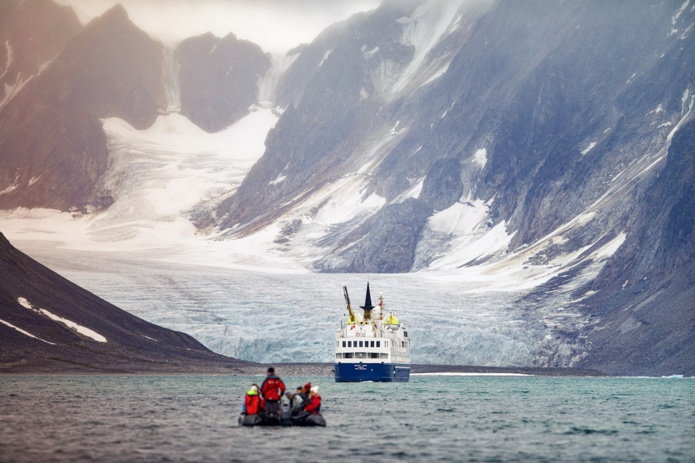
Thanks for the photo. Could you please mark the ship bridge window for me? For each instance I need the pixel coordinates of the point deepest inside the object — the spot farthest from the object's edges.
(405, 334)
(349, 343)
(384, 356)
(361, 343)
(343, 343)
(372, 343)
(348, 355)
(378, 343)
(373, 355)
(361, 355)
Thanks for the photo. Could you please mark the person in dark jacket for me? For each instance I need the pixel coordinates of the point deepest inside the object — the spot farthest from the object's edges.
(253, 403)
(272, 389)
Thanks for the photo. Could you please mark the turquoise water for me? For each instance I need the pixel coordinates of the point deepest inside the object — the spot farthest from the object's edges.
(440, 418)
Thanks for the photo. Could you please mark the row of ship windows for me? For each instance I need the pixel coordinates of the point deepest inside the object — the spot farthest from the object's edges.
(362, 343)
(369, 343)
(361, 355)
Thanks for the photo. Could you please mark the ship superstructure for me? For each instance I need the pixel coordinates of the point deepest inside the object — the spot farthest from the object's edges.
(373, 346)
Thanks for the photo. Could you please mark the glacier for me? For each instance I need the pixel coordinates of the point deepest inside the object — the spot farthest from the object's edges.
(278, 317)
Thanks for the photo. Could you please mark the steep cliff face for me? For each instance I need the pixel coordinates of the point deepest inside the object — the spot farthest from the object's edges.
(605, 95)
(52, 147)
(219, 79)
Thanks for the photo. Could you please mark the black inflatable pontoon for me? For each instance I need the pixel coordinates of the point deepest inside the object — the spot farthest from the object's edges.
(265, 420)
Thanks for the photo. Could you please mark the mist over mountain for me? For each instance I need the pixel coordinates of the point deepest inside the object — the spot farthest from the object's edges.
(546, 142)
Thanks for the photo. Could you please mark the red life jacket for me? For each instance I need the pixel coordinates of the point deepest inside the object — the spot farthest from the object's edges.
(314, 405)
(254, 404)
(272, 388)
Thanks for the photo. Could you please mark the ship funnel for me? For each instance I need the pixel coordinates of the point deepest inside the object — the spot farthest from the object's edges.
(367, 305)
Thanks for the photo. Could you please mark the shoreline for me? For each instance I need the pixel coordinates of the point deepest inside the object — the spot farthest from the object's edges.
(308, 369)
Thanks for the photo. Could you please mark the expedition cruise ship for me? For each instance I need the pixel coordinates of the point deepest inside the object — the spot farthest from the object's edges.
(373, 347)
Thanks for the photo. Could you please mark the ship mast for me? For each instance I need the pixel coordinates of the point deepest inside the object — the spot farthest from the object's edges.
(367, 307)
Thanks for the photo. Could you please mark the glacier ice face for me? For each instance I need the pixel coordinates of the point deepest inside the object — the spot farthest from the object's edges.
(270, 318)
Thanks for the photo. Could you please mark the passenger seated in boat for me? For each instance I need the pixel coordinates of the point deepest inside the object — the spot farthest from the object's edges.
(253, 403)
(286, 406)
(314, 405)
(305, 394)
(296, 401)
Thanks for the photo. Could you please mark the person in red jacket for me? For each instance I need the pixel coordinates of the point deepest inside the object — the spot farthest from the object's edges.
(253, 403)
(314, 405)
(272, 389)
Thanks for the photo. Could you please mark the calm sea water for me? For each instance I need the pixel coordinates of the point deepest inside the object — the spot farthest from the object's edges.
(431, 418)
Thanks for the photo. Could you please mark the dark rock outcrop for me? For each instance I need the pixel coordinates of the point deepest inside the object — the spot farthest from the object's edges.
(384, 243)
(443, 185)
(219, 79)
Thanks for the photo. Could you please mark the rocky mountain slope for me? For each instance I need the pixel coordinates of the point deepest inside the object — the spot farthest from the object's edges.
(555, 119)
(645, 293)
(48, 324)
(536, 102)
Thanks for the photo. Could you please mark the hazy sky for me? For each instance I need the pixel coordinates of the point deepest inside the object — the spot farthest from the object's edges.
(275, 25)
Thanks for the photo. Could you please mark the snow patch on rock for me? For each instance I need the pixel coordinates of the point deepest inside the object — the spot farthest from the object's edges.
(64, 321)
